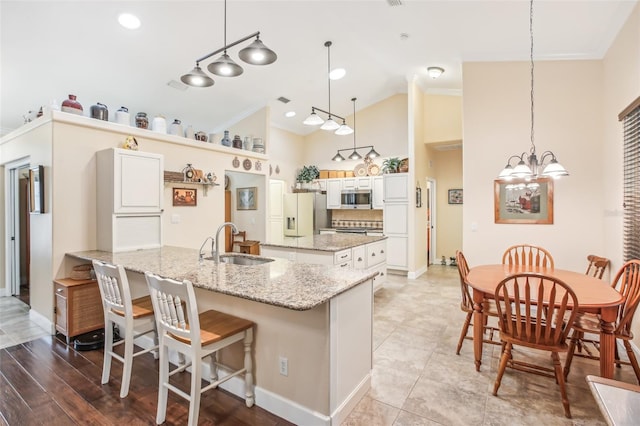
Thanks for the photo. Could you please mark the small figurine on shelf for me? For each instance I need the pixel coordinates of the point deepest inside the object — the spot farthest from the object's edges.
(188, 173)
(130, 143)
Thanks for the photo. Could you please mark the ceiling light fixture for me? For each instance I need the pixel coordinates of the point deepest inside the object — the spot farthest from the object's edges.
(255, 53)
(435, 72)
(314, 119)
(129, 21)
(290, 114)
(337, 73)
(527, 167)
(354, 153)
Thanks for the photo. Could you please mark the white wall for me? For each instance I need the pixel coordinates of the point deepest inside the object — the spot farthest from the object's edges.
(568, 118)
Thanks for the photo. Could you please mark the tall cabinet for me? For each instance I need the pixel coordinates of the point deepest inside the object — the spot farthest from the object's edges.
(129, 199)
(396, 219)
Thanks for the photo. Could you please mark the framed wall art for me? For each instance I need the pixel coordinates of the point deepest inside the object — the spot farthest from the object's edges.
(185, 197)
(247, 198)
(527, 202)
(455, 196)
(36, 190)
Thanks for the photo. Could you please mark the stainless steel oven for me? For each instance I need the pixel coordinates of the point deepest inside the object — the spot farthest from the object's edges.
(355, 199)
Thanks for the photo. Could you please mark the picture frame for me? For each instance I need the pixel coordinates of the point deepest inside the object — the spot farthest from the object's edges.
(36, 190)
(185, 197)
(247, 198)
(455, 196)
(522, 202)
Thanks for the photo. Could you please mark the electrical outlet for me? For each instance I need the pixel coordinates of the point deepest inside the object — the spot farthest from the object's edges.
(284, 366)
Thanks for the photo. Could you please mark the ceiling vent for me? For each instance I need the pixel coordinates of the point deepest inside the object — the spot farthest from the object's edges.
(177, 85)
(394, 2)
(284, 100)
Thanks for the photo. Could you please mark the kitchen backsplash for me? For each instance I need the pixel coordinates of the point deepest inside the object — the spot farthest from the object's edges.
(356, 218)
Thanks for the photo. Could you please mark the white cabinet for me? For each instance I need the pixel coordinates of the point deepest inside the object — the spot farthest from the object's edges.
(377, 193)
(322, 184)
(334, 189)
(276, 208)
(129, 188)
(396, 219)
(356, 183)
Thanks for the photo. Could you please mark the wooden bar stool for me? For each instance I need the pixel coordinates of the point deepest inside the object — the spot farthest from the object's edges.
(134, 318)
(197, 336)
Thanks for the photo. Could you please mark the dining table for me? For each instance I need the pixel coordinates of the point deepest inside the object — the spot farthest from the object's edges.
(594, 296)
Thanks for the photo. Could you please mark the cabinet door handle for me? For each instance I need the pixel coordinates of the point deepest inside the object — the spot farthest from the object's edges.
(381, 251)
(373, 255)
(343, 256)
(359, 259)
(59, 290)
(344, 265)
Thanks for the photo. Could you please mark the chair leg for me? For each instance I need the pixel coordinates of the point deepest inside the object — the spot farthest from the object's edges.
(128, 362)
(213, 366)
(560, 379)
(156, 353)
(632, 359)
(575, 338)
(163, 380)
(108, 349)
(617, 355)
(248, 367)
(463, 333)
(506, 356)
(196, 388)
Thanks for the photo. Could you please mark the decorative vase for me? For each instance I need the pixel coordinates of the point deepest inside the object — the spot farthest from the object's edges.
(237, 142)
(248, 143)
(100, 112)
(176, 128)
(159, 124)
(189, 133)
(225, 141)
(142, 121)
(72, 106)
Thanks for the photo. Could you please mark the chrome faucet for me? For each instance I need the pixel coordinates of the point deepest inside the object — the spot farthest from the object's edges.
(234, 229)
(200, 254)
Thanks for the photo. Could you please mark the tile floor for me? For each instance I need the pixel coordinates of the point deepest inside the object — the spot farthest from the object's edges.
(417, 378)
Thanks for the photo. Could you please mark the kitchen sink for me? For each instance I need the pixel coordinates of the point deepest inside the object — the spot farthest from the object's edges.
(242, 260)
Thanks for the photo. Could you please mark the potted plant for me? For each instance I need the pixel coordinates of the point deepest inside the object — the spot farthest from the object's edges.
(307, 174)
(390, 165)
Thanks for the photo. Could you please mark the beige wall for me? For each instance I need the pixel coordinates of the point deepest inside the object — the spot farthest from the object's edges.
(443, 118)
(286, 151)
(448, 165)
(418, 171)
(568, 117)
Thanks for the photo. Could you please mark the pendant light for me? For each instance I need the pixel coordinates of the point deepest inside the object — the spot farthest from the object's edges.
(330, 124)
(371, 154)
(528, 165)
(255, 53)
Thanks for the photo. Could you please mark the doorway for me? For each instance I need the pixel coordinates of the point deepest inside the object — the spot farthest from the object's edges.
(431, 220)
(17, 228)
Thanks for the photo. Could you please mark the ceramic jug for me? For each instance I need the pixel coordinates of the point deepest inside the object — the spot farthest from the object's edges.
(189, 133)
(201, 136)
(176, 128)
(159, 124)
(123, 116)
(100, 112)
(71, 105)
(225, 140)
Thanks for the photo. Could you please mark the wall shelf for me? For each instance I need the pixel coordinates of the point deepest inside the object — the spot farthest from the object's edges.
(178, 177)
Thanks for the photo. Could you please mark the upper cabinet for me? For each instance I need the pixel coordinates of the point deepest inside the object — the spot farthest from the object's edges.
(377, 192)
(334, 189)
(356, 183)
(396, 188)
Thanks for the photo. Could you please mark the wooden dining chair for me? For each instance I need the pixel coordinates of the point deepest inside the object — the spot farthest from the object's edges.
(182, 329)
(134, 319)
(466, 304)
(238, 238)
(521, 324)
(627, 282)
(597, 266)
(526, 254)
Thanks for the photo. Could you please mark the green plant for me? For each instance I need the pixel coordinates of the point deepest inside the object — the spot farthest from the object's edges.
(390, 165)
(307, 174)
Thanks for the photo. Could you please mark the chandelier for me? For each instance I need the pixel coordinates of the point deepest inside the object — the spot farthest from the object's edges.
(314, 119)
(354, 154)
(528, 166)
(255, 53)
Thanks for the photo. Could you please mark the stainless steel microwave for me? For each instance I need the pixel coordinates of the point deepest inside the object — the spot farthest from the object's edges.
(355, 199)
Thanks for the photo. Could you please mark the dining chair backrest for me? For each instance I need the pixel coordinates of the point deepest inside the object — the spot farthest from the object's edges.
(627, 282)
(176, 311)
(519, 299)
(114, 289)
(463, 270)
(597, 266)
(526, 254)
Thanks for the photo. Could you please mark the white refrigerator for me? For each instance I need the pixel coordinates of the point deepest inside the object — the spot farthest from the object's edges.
(305, 213)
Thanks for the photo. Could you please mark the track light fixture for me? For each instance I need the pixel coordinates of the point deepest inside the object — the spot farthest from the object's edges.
(354, 153)
(255, 53)
(330, 124)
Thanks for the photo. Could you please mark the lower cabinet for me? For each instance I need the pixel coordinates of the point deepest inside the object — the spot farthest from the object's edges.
(78, 307)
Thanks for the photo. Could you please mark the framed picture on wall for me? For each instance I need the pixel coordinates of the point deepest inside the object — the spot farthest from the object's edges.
(455, 196)
(247, 198)
(185, 197)
(520, 201)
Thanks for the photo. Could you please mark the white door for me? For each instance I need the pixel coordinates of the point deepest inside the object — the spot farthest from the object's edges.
(431, 220)
(12, 226)
(276, 215)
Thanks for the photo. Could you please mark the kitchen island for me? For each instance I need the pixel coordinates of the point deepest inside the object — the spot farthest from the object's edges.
(347, 250)
(315, 320)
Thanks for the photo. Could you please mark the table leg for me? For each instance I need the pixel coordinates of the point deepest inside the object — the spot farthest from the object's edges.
(607, 341)
(478, 326)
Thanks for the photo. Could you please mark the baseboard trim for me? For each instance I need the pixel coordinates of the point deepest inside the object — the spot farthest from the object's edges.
(4, 292)
(415, 274)
(42, 321)
(267, 400)
(342, 412)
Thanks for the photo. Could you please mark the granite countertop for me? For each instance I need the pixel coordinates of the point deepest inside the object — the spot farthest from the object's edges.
(291, 285)
(326, 242)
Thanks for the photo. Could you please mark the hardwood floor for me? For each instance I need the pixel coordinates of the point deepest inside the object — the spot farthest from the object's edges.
(44, 381)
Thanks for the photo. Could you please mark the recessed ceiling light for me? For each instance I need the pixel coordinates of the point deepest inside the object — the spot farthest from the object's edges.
(337, 73)
(129, 21)
(290, 114)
